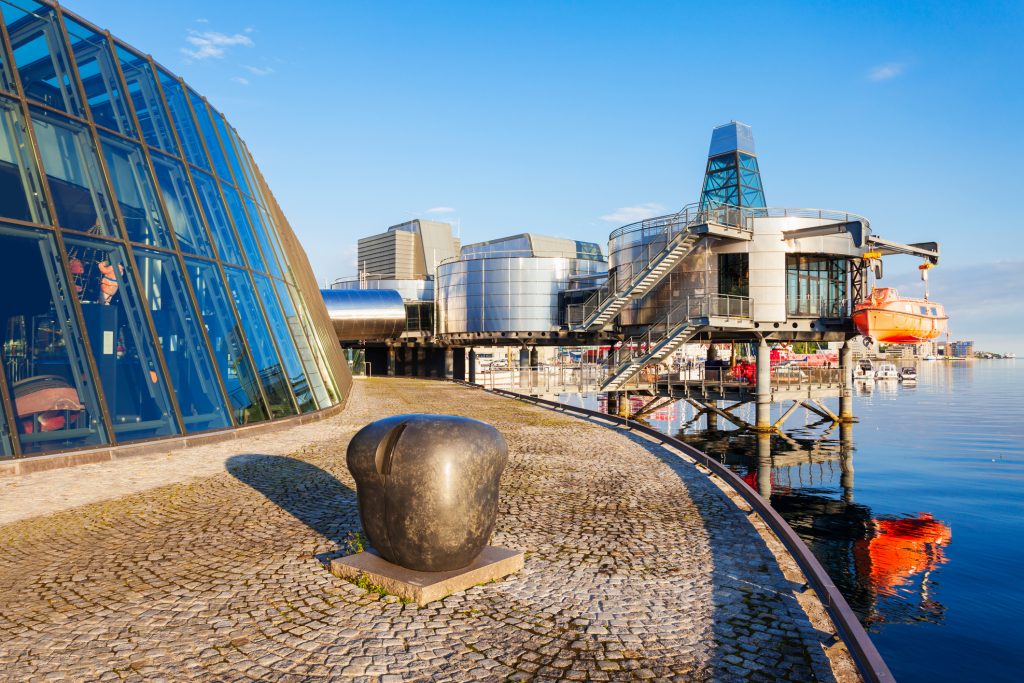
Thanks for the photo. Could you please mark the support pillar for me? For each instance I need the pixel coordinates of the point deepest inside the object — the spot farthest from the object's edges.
(524, 368)
(764, 387)
(846, 460)
(613, 403)
(846, 383)
(472, 366)
(764, 465)
(449, 362)
(409, 359)
(712, 420)
(391, 360)
(421, 361)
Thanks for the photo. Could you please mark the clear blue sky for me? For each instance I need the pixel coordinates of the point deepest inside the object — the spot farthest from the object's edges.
(569, 118)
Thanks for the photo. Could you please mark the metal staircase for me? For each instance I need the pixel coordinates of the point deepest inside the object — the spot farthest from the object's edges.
(682, 232)
(629, 365)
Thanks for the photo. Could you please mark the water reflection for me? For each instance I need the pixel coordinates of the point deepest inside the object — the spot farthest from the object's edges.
(885, 565)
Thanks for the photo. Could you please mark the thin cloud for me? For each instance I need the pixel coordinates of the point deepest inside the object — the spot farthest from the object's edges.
(630, 214)
(440, 209)
(207, 44)
(258, 70)
(202, 21)
(885, 72)
(240, 80)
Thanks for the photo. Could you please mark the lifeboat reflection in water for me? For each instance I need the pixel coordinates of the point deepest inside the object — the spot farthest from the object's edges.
(881, 564)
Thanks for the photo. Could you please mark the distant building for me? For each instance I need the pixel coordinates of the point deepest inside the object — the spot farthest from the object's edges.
(407, 251)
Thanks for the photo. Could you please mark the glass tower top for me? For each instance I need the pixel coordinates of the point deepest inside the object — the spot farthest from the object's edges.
(732, 176)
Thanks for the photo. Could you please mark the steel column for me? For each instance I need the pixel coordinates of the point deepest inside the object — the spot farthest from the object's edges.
(764, 465)
(472, 366)
(846, 387)
(764, 387)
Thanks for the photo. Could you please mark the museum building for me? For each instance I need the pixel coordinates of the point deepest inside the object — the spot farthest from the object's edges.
(153, 288)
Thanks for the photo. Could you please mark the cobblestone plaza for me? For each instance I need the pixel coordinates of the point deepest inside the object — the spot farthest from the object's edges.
(207, 565)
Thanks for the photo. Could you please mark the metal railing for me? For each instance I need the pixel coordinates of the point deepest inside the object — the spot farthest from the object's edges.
(818, 307)
(865, 655)
(548, 379)
(795, 376)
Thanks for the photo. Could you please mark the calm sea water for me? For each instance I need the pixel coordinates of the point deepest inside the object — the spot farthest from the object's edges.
(917, 511)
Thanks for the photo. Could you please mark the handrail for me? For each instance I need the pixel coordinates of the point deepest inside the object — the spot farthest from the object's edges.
(518, 253)
(865, 655)
(726, 213)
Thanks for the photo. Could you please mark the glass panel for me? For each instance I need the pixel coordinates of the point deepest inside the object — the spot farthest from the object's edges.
(229, 150)
(315, 342)
(137, 400)
(220, 164)
(184, 124)
(6, 80)
(100, 80)
(292, 364)
(272, 377)
(43, 354)
(243, 156)
(20, 192)
(298, 333)
(245, 233)
(72, 168)
(145, 96)
(133, 189)
(5, 432)
(217, 218)
(181, 206)
(40, 55)
(188, 359)
(261, 235)
(226, 341)
(276, 242)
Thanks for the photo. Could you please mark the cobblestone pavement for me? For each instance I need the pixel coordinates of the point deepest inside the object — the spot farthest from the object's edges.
(637, 568)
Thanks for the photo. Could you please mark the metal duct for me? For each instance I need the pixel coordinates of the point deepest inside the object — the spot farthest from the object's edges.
(363, 314)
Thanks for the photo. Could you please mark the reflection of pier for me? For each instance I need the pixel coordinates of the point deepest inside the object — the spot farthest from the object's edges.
(882, 565)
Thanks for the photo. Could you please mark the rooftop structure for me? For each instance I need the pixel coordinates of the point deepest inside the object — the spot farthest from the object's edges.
(155, 289)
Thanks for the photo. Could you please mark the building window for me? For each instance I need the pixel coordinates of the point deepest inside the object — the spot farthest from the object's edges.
(115, 322)
(40, 56)
(181, 206)
(290, 357)
(816, 286)
(181, 340)
(226, 342)
(20, 190)
(217, 218)
(142, 91)
(102, 84)
(734, 274)
(44, 359)
(268, 366)
(134, 191)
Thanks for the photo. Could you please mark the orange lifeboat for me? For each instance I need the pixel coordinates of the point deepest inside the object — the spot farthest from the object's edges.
(887, 317)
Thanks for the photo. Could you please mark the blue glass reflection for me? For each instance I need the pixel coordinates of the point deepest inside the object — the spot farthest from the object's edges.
(240, 179)
(256, 219)
(40, 56)
(249, 244)
(181, 206)
(217, 218)
(73, 172)
(100, 80)
(181, 339)
(20, 188)
(184, 124)
(220, 164)
(278, 326)
(226, 342)
(145, 97)
(271, 374)
(133, 189)
(302, 343)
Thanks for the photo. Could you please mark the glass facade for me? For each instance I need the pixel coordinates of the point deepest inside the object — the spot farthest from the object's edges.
(816, 286)
(734, 179)
(156, 297)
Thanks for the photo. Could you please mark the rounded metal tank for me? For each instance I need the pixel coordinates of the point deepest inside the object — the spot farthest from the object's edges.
(505, 293)
(362, 314)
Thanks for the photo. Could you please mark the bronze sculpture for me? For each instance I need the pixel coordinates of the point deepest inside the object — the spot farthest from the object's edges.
(428, 488)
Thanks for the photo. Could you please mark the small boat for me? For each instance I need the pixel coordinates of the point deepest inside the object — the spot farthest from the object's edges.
(908, 374)
(887, 371)
(887, 317)
(930, 356)
(864, 370)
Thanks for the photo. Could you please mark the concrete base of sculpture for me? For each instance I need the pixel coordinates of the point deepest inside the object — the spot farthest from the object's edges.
(426, 587)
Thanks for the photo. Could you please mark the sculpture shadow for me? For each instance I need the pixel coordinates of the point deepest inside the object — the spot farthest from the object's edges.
(312, 495)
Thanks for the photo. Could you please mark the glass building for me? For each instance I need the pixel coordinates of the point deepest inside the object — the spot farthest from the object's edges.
(154, 287)
(732, 176)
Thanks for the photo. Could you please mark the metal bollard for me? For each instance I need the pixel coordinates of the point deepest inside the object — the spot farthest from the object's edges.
(428, 488)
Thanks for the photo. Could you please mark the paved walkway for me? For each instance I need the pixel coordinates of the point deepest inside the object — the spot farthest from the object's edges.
(637, 567)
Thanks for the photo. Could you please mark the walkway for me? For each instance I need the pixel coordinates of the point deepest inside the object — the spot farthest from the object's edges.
(637, 567)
